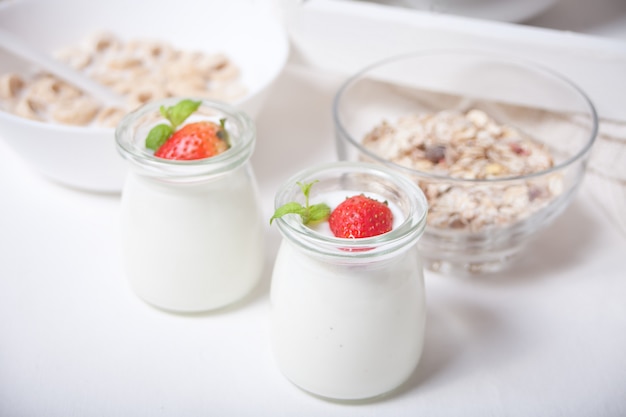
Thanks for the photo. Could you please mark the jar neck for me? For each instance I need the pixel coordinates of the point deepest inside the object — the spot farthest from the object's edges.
(353, 251)
(235, 174)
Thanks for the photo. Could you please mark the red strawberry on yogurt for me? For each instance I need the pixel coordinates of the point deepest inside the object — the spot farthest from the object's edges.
(360, 216)
(192, 141)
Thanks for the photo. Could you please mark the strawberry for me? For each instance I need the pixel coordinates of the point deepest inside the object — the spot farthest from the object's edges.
(193, 141)
(360, 216)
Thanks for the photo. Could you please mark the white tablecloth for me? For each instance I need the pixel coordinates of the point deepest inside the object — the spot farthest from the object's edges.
(546, 338)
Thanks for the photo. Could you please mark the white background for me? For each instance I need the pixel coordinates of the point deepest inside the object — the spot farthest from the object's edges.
(546, 338)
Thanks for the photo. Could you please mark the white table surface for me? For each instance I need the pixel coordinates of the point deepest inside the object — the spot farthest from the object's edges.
(546, 338)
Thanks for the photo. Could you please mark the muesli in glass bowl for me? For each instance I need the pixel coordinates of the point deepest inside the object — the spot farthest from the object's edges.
(498, 145)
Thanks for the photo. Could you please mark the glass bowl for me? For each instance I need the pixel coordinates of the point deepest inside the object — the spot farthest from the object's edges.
(498, 145)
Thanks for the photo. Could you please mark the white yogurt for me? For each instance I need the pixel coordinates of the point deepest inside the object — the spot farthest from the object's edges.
(347, 330)
(192, 247)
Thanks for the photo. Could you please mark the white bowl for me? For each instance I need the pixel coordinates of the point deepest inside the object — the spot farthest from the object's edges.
(250, 34)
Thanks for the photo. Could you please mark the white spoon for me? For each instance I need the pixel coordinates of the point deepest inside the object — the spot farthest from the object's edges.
(17, 47)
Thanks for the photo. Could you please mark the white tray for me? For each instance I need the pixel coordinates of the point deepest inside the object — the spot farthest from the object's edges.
(345, 36)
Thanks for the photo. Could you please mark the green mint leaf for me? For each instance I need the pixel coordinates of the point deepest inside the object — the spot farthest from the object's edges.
(289, 208)
(157, 136)
(179, 112)
(306, 187)
(310, 214)
(318, 213)
(306, 190)
(164, 112)
(223, 133)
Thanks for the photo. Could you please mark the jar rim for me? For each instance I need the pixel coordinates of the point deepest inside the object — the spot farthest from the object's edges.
(404, 235)
(242, 134)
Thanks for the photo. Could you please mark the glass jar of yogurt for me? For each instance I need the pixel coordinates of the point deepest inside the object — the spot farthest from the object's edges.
(192, 230)
(348, 315)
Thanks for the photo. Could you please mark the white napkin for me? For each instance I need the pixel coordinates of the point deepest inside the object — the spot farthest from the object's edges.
(606, 174)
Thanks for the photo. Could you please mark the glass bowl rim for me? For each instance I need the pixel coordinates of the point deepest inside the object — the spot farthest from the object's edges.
(522, 63)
